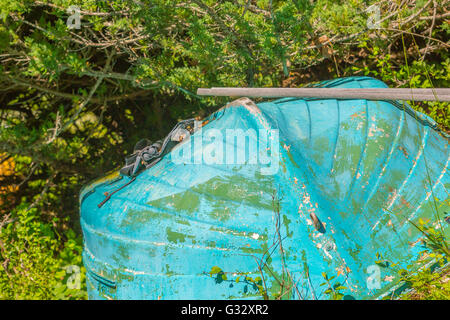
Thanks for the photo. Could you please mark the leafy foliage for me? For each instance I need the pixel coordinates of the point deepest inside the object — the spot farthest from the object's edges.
(35, 262)
(431, 282)
(334, 290)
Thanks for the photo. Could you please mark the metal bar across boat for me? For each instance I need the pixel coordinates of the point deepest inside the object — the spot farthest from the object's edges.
(424, 94)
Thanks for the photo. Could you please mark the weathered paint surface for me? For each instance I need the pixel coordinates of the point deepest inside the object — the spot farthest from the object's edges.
(361, 167)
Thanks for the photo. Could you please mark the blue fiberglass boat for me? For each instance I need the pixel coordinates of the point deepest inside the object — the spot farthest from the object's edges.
(266, 200)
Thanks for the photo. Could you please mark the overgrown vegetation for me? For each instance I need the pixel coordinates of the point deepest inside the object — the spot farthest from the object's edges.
(35, 263)
(431, 282)
(74, 101)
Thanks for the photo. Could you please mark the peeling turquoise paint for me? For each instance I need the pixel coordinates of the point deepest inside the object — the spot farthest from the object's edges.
(361, 167)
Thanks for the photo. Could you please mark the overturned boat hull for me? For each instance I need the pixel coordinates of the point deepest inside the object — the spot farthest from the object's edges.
(320, 188)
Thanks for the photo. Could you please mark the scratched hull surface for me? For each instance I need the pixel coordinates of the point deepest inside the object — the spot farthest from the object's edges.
(189, 231)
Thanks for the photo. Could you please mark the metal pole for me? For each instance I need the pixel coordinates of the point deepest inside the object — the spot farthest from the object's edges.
(438, 94)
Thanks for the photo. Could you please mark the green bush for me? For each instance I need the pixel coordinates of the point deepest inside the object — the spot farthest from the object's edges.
(35, 260)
